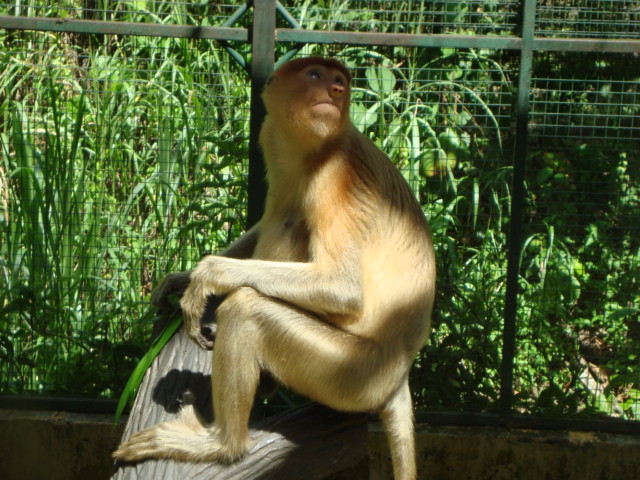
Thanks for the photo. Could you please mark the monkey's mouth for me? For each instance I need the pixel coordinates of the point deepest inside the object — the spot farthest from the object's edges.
(326, 107)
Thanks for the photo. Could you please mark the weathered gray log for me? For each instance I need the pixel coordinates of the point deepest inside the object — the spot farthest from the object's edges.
(306, 443)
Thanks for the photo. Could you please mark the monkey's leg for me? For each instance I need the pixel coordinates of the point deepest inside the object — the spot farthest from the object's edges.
(312, 357)
(255, 332)
(235, 375)
(331, 366)
(236, 372)
(397, 416)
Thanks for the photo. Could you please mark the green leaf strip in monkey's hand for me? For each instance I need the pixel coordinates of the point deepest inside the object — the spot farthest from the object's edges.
(131, 388)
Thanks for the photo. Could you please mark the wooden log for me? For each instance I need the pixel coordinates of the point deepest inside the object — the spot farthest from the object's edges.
(306, 443)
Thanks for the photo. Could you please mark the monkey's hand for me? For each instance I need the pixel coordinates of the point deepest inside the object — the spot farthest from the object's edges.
(204, 282)
(193, 304)
(174, 283)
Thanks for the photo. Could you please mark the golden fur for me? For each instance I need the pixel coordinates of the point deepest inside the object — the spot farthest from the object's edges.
(331, 292)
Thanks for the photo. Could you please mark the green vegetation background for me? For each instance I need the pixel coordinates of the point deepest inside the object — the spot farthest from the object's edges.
(125, 158)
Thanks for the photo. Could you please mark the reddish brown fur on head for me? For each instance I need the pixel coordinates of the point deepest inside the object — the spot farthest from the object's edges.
(309, 106)
(300, 63)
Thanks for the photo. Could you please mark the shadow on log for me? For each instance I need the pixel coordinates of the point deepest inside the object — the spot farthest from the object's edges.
(306, 443)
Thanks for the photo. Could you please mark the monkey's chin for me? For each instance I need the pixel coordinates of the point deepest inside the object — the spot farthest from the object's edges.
(324, 131)
(314, 131)
(325, 126)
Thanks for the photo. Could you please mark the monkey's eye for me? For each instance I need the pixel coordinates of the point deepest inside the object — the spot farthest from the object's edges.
(314, 74)
(340, 81)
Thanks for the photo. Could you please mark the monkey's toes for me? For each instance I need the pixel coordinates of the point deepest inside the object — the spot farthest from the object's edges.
(141, 446)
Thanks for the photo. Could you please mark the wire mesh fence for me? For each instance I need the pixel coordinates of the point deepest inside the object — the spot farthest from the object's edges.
(412, 17)
(143, 11)
(124, 158)
(589, 19)
(120, 156)
(580, 253)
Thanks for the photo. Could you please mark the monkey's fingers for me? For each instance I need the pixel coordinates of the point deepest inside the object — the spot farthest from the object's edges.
(202, 335)
(174, 283)
(160, 300)
(207, 335)
(193, 304)
(203, 339)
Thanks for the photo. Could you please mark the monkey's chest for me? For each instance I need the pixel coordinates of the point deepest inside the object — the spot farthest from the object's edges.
(285, 238)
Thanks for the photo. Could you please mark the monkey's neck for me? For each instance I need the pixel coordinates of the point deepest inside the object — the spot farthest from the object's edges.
(285, 149)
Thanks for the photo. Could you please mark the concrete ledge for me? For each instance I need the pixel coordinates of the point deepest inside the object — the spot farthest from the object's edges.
(484, 453)
(35, 445)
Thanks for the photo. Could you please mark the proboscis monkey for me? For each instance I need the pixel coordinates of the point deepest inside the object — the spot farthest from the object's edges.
(330, 293)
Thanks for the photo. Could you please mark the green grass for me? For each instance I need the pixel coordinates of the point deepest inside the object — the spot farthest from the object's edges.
(114, 175)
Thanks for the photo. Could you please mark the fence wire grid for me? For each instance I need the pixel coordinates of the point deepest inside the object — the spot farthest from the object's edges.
(125, 157)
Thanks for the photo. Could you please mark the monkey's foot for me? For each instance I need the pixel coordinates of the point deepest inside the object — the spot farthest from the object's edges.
(175, 440)
(140, 446)
(179, 441)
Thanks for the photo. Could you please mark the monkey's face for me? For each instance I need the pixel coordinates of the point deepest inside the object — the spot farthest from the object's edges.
(326, 94)
(309, 99)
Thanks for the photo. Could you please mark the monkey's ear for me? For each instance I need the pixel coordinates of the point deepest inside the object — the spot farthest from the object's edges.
(270, 79)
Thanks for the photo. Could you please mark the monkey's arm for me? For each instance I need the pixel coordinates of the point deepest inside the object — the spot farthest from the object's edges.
(177, 283)
(322, 290)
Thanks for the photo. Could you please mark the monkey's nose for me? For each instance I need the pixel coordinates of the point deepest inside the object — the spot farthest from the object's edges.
(336, 90)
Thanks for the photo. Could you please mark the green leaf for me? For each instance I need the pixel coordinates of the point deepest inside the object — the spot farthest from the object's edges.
(624, 312)
(381, 79)
(131, 388)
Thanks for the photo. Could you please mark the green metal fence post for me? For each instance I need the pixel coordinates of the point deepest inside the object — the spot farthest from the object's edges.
(517, 201)
(262, 61)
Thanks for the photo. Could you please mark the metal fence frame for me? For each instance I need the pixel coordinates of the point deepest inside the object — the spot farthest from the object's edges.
(263, 36)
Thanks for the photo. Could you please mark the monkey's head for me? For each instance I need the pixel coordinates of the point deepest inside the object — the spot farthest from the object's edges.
(309, 97)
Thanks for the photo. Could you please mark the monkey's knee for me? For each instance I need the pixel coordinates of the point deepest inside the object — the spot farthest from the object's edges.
(240, 303)
(238, 319)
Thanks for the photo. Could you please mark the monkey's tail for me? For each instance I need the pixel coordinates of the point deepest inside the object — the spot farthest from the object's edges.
(397, 417)
(185, 439)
